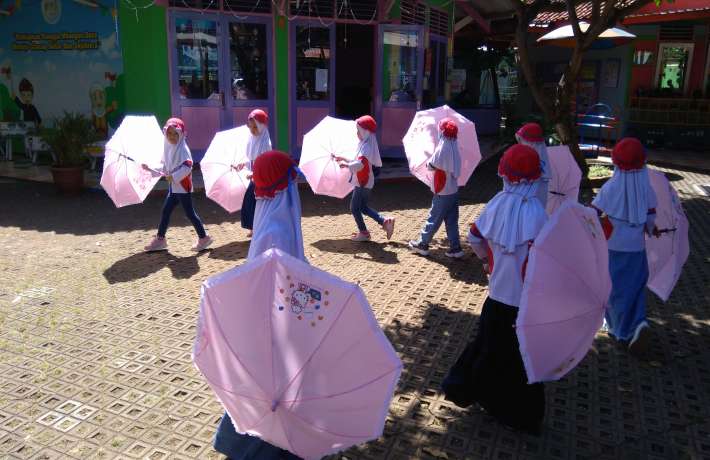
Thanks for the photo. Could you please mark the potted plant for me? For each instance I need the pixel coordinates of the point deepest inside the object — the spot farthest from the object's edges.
(68, 139)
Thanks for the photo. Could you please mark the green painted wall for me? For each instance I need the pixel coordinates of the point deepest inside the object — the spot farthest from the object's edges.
(281, 79)
(145, 60)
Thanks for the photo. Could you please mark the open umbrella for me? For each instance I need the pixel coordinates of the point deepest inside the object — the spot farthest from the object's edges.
(331, 137)
(668, 252)
(423, 135)
(295, 355)
(565, 293)
(137, 141)
(565, 177)
(564, 36)
(224, 184)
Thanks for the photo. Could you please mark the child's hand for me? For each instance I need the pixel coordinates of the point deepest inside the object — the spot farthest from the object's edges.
(145, 166)
(655, 232)
(169, 178)
(249, 176)
(239, 167)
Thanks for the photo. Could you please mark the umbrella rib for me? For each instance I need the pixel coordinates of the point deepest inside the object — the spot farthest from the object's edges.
(351, 390)
(315, 350)
(523, 326)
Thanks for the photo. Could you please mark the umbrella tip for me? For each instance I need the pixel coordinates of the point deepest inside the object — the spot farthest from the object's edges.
(274, 405)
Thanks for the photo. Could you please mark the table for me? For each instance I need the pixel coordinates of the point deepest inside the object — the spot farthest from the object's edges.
(8, 130)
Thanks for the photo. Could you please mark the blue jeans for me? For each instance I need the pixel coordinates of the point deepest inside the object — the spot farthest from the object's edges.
(185, 200)
(444, 208)
(248, 207)
(358, 206)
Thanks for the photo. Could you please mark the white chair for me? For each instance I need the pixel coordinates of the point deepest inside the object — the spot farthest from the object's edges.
(34, 145)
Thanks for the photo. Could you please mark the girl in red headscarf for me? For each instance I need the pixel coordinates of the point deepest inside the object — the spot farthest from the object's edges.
(445, 163)
(627, 204)
(259, 142)
(363, 178)
(177, 170)
(490, 370)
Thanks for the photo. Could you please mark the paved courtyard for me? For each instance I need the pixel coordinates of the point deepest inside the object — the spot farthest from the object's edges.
(95, 336)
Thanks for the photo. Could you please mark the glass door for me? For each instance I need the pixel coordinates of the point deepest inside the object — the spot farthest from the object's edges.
(312, 77)
(400, 66)
(673, 68)
(248, 59)
(198, 90)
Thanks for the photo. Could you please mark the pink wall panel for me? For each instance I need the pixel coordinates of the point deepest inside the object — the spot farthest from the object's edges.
(307, 118)
(201, 123)
(395, 123)
(240, 114)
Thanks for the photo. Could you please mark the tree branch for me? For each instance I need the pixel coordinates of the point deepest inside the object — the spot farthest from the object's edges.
(596, 7)
(574, 20)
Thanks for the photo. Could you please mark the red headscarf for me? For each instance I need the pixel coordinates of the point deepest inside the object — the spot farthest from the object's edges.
(177, 124)
(520, 162)
(367, 122)
(449, 128)
(629, 154)
(531, 132)
(273, 171)
(259, 115)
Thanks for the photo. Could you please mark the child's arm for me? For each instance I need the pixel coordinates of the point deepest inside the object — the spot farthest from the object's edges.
(354, 166)
(478, 243)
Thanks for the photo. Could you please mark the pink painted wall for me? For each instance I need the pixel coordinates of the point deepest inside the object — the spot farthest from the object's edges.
(202, 123)
(306, 119)
(240, 114)
(395, 123)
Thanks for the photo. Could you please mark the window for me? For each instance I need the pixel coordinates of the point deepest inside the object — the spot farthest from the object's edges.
(642, 57)
(312, 63)
(248, 61)
(197, 58)
(673, 66)
(400, 66)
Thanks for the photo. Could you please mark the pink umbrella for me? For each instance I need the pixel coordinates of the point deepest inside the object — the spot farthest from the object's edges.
(223, 183)
(138, 140)
(295, 355)
(667, 253)
(565, 177)
(423, 135)
(565, 293)
(331, 137)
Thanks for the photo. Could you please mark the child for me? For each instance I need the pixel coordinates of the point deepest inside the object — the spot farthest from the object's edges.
(28, 111)
(530, 134)
(490, 370)
(277, 223)
(177, 169)
(363, 178)
(259, 142)
(628, 204)
(446, 164)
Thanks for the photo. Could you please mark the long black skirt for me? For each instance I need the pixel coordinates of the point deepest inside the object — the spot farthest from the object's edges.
(490, 372)
(248, 208)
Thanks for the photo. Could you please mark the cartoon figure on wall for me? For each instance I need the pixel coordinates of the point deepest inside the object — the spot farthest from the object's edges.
(99, 110)
(27, 111)
(8, 108)
(52, 11)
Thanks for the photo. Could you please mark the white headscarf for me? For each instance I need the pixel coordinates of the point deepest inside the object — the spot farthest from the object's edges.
(514, 216)
(175, 155)
(368, 147)
(627, 196)
(256, 145)
(446, 156)
(277, 223)
(541, 150)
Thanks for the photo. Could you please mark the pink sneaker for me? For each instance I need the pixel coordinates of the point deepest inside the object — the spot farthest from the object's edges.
(202, 243)
(388, 225)
(158, 244)
(360, 236)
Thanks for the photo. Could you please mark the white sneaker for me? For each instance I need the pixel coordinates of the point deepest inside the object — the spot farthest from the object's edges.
(419, 248)
(202, 243)
(360, 236)
(455, 255)
(641, 340)
(158, 244)
(388, 225)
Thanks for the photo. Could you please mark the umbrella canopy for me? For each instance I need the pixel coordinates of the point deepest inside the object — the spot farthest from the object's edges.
(138, 140)
(330, 137)
(565, 177)
(423, 135)
(667, 253)
(564, 36)
(566, 288)
(224, 184)
(295, 355)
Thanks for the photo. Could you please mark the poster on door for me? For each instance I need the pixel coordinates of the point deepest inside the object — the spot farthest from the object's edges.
(57, 56)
